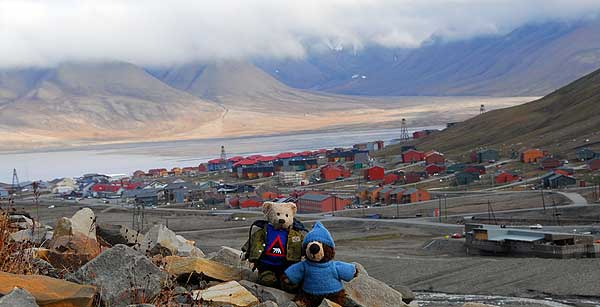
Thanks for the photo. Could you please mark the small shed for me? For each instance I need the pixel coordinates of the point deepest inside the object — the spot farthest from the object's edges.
(532, 156)
(463, 178)
(433, 169)
(434, 157)
(550, 163)
(412, 156)
(375, 173)
(594, 164)
(390, 178)
(506, 177)
(585, 154)
(488, 155)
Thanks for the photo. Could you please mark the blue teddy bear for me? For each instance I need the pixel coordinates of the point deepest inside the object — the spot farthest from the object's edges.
(320, 275)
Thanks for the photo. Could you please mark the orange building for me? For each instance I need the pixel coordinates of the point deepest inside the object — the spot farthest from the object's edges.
(532, 156)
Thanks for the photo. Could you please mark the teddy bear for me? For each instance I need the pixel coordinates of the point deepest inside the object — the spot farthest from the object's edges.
(276, 245)
(321, 277)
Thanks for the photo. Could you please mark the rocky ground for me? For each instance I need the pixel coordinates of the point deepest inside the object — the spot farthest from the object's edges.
(400, 255)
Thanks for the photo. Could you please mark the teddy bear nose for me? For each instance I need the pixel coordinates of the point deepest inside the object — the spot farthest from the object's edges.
(314, 249)
(281, 221)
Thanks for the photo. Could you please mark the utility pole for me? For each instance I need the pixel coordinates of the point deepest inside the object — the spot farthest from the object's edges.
(543, 200)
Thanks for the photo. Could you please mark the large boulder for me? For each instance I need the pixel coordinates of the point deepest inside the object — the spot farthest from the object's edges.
(230, 256)
(365, 290)
(122, 275)
(18, 297)
(73, 251)
(176, 265)
(83, 222)
(328, 303)
(49, 291)
(119, 234)
(280, 297)
(162, 240)
(225, 294)
(36, 236)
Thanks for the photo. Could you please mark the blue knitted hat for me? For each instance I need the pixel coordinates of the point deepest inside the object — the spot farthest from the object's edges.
(320, 234)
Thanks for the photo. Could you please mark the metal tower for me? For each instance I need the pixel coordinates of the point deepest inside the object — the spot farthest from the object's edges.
(482, 109)
(223, 154)
(15, 181)
(404, 131)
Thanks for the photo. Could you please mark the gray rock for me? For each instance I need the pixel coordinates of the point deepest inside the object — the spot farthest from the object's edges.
(268, 304)
(122, 275)
(37, 236)
(162, 240)
(118, 234)
(42, 267)
(18, 297)
(230, 256)
(368, 291)
(267, 294)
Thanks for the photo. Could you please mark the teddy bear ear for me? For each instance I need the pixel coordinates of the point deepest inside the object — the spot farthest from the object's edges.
(267, 207)
(294, 207)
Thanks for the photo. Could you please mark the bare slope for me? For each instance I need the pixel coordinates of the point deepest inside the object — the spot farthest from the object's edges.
(532, 60)
(242, 86)
(102, 101)
(564, 120)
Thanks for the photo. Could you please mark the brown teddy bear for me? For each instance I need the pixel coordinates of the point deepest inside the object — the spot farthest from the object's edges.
(276, 245)
(320, 276)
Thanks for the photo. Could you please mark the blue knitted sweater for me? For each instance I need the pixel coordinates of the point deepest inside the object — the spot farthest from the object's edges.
(321, 278)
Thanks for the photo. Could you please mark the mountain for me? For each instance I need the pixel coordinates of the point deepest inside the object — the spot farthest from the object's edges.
(98, 101)
(532, 60)
(241, 85)
(560, 122)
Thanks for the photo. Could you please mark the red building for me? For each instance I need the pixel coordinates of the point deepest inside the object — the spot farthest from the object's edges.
(432, 169)
(250, 203)
(390, 179)
(479, 169)
(506, 178)
(434, 157)
(550, 163)
(412, 177)
(331, 172)
(312, 203)
(411, 156)
(202, 168)
(139, 174)
(419, 134)
(375, 173)
(594, 164)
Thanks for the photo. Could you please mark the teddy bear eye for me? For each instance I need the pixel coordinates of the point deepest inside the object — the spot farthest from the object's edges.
(286, 215)
(278, 214)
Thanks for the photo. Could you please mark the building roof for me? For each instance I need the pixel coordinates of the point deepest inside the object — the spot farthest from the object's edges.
(315, 197)
(245, 162)
(285, 155)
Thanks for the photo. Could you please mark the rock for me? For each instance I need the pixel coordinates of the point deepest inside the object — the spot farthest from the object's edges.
(230, 256)
(49, 291)
(476, 305)
(123, 276)
(162, 240)
(19, 222)
(229, 293)
(18, 297)
(176, 265)
(364, 290)
(37, 236)
(42, 267)
(267, 294)
(83, 222)
(267, 304)
(71, 252)
(141, 305)
(118, 234)
(328, 303)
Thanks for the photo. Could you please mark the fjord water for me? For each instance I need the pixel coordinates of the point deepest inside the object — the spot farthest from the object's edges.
(126, 158)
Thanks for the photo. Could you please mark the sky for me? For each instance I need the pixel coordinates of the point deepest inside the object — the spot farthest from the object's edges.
(157, 32)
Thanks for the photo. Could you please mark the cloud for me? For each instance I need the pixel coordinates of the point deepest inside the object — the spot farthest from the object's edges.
(155, 32)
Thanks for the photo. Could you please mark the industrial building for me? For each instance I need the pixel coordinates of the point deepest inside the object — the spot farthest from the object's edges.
(494, 240)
